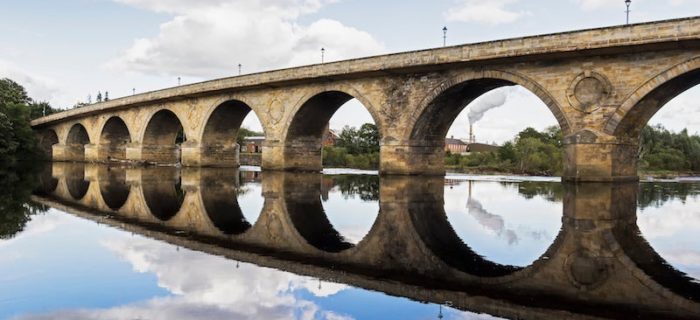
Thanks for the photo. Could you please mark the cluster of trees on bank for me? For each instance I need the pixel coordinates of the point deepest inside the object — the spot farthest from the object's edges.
(354, 148)
(663, 150)
(17, 109)
(531, 152)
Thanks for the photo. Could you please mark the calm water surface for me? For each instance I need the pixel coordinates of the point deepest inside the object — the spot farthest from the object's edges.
(95, 242)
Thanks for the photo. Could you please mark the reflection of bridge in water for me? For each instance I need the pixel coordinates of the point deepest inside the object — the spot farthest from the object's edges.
(598, 265)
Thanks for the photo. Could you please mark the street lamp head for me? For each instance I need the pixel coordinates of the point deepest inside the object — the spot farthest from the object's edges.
(628, 2)
(444, 29)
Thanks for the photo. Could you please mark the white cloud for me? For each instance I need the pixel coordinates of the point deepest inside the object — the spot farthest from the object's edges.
(210, 38)
(486, 12)
(39, 88)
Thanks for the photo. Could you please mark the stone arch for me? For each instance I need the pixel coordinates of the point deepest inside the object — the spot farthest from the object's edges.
(160, 138)
(641, 105)
(441, 107)
(75, 142)
(113, 139)
(219, 133)
(47, 139)
(303, 136)
(114, 188)
(421, 149)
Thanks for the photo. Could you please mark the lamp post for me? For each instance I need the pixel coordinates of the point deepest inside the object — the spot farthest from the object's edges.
(444, 36)
(323, 54)
(240, 66)
(133, 91)
(178, 81)
(628, 3)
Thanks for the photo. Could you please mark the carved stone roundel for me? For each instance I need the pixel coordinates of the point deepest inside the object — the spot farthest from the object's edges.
(589, 91)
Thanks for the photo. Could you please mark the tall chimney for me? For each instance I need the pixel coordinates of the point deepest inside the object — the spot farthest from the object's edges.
(471, 133)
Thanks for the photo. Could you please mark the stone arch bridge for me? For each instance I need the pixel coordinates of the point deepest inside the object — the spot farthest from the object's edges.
(601, 85)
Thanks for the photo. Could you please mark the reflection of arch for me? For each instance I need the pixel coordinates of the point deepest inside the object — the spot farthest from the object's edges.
(220, 201)
(162, 191)
(640, 106)
(430, 221)
(114, 138)
(303, 139)
(114, 189)
(76, 183)
(47, 139)
(442, 106)
(644, 257)
(302, 198)
(160, 139)
(77, 139)
(164, 200)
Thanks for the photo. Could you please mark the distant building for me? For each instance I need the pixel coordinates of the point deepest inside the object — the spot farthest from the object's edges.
(453, 145)
(481, 147)
(252, 144)
(329, 136)
(459, 146)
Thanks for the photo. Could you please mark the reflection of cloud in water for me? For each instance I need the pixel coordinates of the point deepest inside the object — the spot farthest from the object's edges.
(491, 221)
(669, 219)
(671, 229)
(208, 287)
(39, 224)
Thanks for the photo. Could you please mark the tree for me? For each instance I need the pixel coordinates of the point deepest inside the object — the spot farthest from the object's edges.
(17, 140)
(244, 133)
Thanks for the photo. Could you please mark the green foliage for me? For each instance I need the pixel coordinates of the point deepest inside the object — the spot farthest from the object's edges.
(245, 132)
(17, 184)
(531, 152)
(662, 150)
(17, 140)
(365, 186)
(355, 148)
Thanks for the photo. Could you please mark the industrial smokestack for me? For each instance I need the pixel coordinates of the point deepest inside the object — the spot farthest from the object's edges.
(471, 133)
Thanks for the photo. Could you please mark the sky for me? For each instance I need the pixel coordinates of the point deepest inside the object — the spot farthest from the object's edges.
(63, 51)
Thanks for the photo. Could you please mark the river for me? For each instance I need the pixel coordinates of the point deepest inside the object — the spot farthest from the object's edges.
(97, 242)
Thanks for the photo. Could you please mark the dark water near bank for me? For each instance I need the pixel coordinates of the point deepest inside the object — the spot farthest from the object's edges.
(92, 242)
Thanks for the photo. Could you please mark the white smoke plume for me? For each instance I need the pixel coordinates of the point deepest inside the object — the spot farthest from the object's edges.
(492, 99)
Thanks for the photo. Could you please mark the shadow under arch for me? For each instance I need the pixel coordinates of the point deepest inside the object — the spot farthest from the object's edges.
(303, 142)
(47, 139)
(77, 139)
(302, 199)
(113, 187)
(219, 190)
(636, 111)
(161, 138)
(219, 135)
(644, 257)
(114, 138)
(162, 191)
